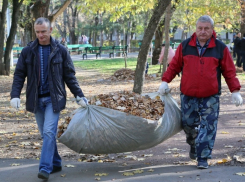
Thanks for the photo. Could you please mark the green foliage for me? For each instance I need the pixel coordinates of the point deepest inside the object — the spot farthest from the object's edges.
(134, 43)
(223, 12)
(108, 43)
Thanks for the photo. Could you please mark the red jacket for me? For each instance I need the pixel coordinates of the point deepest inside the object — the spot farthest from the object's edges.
(201, 74)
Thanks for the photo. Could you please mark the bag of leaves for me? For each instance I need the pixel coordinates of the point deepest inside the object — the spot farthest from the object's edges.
(98, 129)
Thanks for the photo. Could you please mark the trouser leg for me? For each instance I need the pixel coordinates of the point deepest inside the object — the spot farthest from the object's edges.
(47, 122)
(199, 121)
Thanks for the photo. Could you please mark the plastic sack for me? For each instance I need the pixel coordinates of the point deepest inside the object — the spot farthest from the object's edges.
(100, 130)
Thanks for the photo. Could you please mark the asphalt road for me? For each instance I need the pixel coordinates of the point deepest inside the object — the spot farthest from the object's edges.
(25, 170)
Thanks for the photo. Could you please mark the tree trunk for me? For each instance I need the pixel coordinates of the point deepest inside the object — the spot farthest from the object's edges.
(101, 30)
(13, 29)
(39, 9)
(242, 17)
(2, 33)
(72, 22)
(167, 41)
(149, 33)
(158, 42)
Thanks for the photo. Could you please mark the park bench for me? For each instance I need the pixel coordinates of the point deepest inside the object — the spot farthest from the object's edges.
(119, 49)
(106, 49)
(92, 51)
(73, 48)
(82, 47)
(78, 48)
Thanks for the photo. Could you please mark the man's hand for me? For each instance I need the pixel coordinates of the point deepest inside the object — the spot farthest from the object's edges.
(15, 103)
(163, 89)
(82, 101)
(236, 98)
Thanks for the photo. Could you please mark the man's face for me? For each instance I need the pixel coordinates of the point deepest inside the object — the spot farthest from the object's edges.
(204, 31)
(43, 33)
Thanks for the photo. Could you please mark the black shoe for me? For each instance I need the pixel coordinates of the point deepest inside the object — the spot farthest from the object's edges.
(202, 163)
(43, 175)
(56, 169)
(192, 153)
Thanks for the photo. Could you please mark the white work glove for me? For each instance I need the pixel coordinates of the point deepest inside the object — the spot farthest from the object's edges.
(82, 101)
(163, 89)
(15, 103)
(236, 98)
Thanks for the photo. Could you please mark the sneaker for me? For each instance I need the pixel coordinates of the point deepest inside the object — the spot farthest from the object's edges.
(192, 153)
(56, 169)
(43, 175)
(202, 163)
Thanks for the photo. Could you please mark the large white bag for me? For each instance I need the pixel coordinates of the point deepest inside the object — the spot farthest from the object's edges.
(100, 130)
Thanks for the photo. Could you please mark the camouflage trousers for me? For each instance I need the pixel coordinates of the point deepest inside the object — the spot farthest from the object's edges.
(199, 121)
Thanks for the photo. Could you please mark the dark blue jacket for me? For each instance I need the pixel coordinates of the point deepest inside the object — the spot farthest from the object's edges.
(61, 71)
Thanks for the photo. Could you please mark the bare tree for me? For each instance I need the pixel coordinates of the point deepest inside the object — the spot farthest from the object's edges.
(5, 70)
(167, 41)
(2, 33)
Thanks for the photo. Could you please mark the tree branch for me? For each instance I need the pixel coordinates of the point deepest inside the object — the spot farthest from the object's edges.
(57, 12)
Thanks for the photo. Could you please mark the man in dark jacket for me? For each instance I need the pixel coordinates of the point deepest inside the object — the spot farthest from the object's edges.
(202, 59)
(237, 49)
(47, 66)
(241, 44)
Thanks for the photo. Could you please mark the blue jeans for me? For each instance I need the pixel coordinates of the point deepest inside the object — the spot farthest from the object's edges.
(199, 121)
(47, 122)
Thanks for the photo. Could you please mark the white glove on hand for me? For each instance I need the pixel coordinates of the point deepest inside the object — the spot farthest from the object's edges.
(82, 101)
(236, 98)
(163, 89)
(15, 103)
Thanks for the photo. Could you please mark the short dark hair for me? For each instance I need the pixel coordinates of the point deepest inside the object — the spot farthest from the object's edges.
(244, 35)
(41, 20)
(163, 44)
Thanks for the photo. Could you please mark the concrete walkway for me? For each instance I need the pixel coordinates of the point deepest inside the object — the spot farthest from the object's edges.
(25, 170)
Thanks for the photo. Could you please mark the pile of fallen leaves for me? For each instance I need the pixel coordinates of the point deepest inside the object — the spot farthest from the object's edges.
(131, 103)
(125, 74)
(125, 101)
(62, 128)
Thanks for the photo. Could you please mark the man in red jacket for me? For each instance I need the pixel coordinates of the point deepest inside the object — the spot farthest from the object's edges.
(202, 59)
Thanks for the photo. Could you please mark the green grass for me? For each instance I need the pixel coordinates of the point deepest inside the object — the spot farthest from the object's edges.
(109, 66)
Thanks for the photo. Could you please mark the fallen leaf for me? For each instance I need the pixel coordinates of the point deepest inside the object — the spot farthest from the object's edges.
(222, 161)
(224, 132)
(228, 146)
(241, 174)
(147, 155)
(98, 179)
(141, 159)
(101, 174)
(15, 164)
(150, 170)
(63, 175)
(68, 165)
(139, 171)
(128, 174)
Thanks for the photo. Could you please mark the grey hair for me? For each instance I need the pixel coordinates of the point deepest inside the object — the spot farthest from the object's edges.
(206, 18)
(42, 20)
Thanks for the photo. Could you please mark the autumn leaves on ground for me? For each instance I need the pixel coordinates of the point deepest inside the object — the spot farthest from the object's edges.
(19, 136)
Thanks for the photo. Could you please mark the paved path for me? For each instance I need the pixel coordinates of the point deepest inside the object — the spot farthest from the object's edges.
(25, 170)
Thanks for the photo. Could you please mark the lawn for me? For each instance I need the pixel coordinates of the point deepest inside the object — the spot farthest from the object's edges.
(109, 66)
